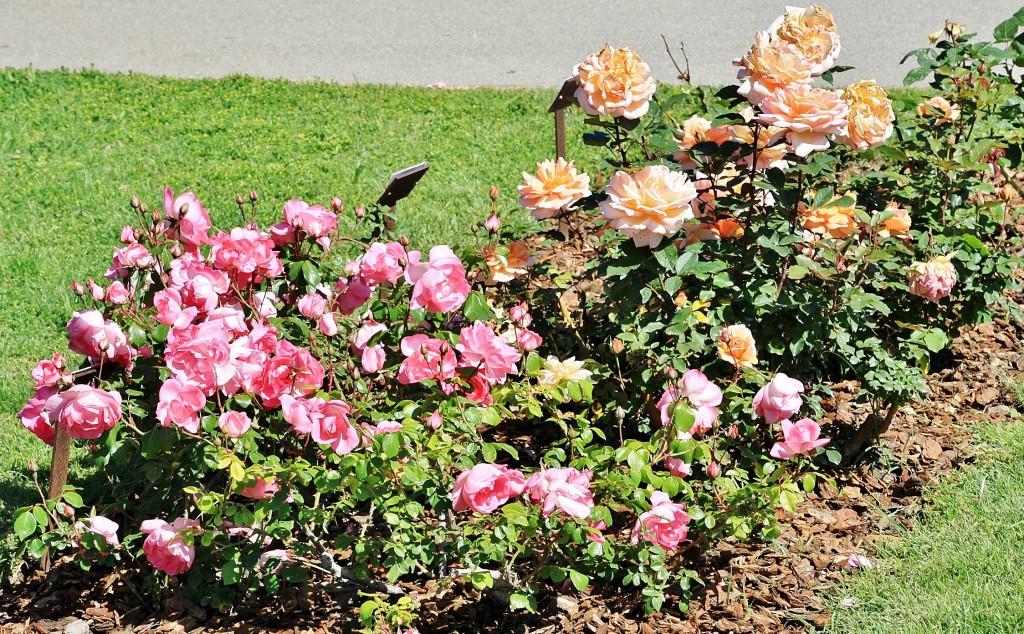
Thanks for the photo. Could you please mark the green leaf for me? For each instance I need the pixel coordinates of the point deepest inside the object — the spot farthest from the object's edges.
(936, 340)
(579, 580)
(391, 445)
(797, 272)
(520, 601)
(833, 456)
(1007, 29)
(74, 499)
(25, 525)
(916, 75)
(40, 515)
(366, 612)
(157, 441)
(808, 482)
(231, 573)
(476, 308)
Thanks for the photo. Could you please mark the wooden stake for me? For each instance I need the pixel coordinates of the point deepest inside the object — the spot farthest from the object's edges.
(560, 133)
(58, 475)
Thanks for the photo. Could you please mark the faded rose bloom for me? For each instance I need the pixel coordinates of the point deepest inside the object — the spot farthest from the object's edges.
(859, 562)
(770, 65)
(933, 279)
(169, 546)
(282, 234)
(565, 489)
(180, 404)
(812, 31)
(799, 438)
(504, 264)
(939, 108)
(615, 83)
(778, 399)
(439, 285)
(99, 525)
(84, 411)
(833, 219)
(488, 353)
(556, 186)
(806, 116)
(665, 524)
(485, 487)
(234, 424)
(187, 220)
(261, 489)
(426, 358)
(736, 345)
(555, 371)
(871, 117)
(649, 205)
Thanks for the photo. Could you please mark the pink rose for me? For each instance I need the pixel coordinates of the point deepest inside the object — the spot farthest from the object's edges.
(84, 411)
(234, 424)
(714, 469)
(434, 420)
(566, 489)
(426, 358)
(95, 290)
(382, 263)
(50, 372)
(439, 285)
(372, 359)
(266, 304)
(117, 294)
(230, 318)
(169, 546)
(198, 284)
(365, 334)
(180, 403)
(528, 340)
(351, 295)
(99, 525)
(665, 524)
(92, 335)
(779, 399)
(128, 235)
(35, 415)
(702, 396)
(187, 221)
(261, 489)
(292, 371)
(130, 258)
(282, 233)
(300, 413)
(312, 305)
(482, 349)
(933, 279)
(485, 487)
(332, 427)
(327, 325)
(201, 355)
(248, 256)
(805, 116)
(677, 467)
(799, 437)
(520, 314)
(316, 222)
(169, 310)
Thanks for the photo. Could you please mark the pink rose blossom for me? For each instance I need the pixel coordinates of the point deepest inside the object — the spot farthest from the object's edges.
(282, 234)
(292, 371)
(201, 355)
(382, 263)
(117, 294)
(665, 524)
(266, 304)
(261, 489)
(779, 399)
(86, 412)
(187, 220)
(806, 116)
(35, 415)
(493, 223)
(301, 413)
(169, 546)
(372, 359)
(248, 256)
(95, 290)
(933, 279)
(312, 305)
(230, 318)
(482, 349)
(198, 284)
(234, 424)
(700, 394)
(317, 222)
(327, 325)
(426, 358)
(180, 403)
(677, 467)
(350, 295)
(332, 427)
(365, 334)
(800, 437)
(99, 525)
(566, 489)
(169, 309)
(714, 469)
(528, 340)
(50, 372)
(439, 285)
(485, 487)
(128, 235)
(92, 335)
(131, 258)
(434, 420)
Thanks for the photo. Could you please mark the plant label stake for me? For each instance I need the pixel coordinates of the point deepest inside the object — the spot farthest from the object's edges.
(399, 186)
(566, 97)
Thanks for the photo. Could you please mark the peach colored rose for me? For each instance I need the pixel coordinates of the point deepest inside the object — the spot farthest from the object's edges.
(769, 150)
(770, 65)
(806, 116)
(871, 116)
(939, 108)
(507, 263)
(812, 31)
(899, 222)
(614, 82)
(933, 279)
(831, 219)
(649, 205)
(736, 345)
(696, 130)
(556, 186)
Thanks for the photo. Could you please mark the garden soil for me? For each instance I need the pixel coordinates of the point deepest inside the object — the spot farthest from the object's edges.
(748, 587)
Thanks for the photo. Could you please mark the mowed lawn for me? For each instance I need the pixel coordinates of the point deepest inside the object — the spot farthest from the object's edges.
(74, 147)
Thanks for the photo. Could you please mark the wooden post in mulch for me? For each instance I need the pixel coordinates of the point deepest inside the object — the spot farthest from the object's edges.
(566, 97)
(61, 459)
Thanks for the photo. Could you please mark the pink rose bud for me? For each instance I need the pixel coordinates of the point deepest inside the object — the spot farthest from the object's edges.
(77, 288)
(734, 432)
(714, 469)
(176, 250)
(117, 294)
(312, 305)
(327, 324)
(859, 562)
(360, 211)
(677, 467)
(234, 424)
(493, 223)
(434, 420)
(128, 235)
(95, 290)
(145, 352)
(520, 313)
(528, 340)
(337, 205)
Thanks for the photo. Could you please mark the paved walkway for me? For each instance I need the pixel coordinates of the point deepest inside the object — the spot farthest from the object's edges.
(460, 42)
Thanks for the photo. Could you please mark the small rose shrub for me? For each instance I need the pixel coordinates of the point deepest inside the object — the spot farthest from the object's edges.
(268, 403)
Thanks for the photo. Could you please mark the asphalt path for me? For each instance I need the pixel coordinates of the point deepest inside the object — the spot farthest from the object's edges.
(459, 42)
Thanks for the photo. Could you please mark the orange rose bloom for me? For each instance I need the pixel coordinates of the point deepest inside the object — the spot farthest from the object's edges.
(614, 82)
(830, 220)
(812, 31)
(556, 186)
(506, 264)
(649, 205)
(696, 130)
(770, 65)
(899, 222)
(938, 107)
(736, 345)
(870, 118)
(770, 153)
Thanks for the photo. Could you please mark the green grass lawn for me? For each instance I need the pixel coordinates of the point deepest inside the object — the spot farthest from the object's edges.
(962, 569)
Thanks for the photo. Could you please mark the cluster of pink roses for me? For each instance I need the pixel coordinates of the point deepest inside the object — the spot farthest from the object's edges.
(485, 487)
(779, 400)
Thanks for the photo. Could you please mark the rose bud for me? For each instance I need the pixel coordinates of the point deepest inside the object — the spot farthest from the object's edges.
(493, 224)
(360, 211)
(337, 205)
(494, 192)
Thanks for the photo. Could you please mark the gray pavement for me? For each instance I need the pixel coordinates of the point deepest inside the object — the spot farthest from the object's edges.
(459, 42)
